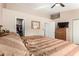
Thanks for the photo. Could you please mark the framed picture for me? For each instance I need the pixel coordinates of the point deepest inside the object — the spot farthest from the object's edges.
(35, 24)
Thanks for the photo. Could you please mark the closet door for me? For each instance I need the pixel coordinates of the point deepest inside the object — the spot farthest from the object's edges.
(76, 31)
(50, 30)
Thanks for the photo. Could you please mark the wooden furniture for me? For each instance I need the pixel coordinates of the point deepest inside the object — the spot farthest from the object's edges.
(3, 34)
(60, 33)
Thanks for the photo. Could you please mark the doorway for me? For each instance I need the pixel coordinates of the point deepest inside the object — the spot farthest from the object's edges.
(20, 26)
(75, 32)
(49, 30)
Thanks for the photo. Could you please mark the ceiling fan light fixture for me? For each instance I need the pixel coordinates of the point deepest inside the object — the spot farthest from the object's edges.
(62, 5)
(57, 4)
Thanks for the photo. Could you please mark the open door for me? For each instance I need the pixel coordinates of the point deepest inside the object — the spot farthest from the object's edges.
(20, 28)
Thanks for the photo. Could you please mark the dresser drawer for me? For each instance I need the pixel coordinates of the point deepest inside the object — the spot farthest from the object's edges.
(60, 33)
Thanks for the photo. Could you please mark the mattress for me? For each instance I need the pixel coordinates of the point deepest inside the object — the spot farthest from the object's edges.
(52, 47)
(12, 45)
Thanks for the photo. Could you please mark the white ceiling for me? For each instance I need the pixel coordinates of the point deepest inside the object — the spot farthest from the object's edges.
(45, 8)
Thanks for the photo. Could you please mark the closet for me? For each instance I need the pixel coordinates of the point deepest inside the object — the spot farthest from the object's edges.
(75, 31)
(49, 30)
(19, 26)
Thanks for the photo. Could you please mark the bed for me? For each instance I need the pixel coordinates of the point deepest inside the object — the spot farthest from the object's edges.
(12, 45)
(51, 47)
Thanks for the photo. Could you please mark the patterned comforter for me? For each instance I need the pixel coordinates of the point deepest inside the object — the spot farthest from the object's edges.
(52, 47)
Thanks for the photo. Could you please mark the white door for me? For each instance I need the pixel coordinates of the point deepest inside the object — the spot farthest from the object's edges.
(23, 27)
(50, 30)
(76, 31)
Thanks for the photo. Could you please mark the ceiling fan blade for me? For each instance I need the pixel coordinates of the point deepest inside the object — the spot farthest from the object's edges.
(53, 5)
(62, 5)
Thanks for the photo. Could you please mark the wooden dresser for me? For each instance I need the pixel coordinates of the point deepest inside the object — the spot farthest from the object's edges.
(60, 33)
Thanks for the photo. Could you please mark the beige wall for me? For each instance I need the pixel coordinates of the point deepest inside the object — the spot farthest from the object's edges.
(69, 15)
(9, 21)
(1, 5)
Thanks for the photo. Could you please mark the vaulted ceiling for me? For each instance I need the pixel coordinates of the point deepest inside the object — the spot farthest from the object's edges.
(42, 9)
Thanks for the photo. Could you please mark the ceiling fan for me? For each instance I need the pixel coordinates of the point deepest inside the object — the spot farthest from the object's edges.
(61, 4)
